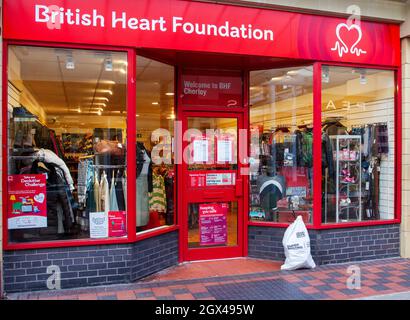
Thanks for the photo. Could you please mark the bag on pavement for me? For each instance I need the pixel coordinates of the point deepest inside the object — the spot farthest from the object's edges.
(296, 242)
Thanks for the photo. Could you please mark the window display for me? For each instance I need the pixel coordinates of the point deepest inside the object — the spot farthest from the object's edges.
(281, 124)
(357, 144)
(155, 130)
(66, 144)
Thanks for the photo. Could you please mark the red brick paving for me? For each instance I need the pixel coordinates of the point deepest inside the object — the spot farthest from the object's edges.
(195, 280)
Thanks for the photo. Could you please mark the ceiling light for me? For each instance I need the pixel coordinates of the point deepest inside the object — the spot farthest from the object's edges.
(79, 110)
(69, 64)
(169, 94)
(325, 74)
(155, 103)
(171, 117)
(137, 115)
(108, 64)
(363, 79)
(102, 98)
(123, 71)
(100, 104)
(107, 81)
(292, 72)
(99, 112)
(105, 91)
(276, 78)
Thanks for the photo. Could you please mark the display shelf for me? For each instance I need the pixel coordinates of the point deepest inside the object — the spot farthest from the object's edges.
(347, 146)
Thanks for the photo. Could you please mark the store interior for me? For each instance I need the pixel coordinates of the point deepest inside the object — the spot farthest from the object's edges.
(357, 172)
(67, 119)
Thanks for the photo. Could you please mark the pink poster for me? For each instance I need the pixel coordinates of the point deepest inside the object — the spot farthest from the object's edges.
(213, 223)
(117, 223)
(27, 201)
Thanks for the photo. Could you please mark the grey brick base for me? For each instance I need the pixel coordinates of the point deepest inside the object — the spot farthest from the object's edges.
(26, 270)
(331, 245)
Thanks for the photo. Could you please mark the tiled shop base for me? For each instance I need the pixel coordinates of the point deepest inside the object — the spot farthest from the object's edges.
(248, 279)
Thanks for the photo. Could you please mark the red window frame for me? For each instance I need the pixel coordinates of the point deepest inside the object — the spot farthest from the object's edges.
(317, 152)
(132, 236)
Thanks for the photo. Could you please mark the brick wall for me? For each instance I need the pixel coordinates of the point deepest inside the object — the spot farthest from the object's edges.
(26, 270)
(331, 246)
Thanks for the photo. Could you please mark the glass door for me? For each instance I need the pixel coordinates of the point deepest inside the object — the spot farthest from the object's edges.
(212, 190)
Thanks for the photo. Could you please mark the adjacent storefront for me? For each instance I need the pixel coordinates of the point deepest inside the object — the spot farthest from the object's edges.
(139, 134)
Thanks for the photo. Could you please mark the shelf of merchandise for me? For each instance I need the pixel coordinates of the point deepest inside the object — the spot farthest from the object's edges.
(352, 143)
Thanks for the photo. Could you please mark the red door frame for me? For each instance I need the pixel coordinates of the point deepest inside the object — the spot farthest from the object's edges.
(207, 253)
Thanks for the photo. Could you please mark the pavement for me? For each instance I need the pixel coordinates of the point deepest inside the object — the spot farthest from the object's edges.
(252, 279)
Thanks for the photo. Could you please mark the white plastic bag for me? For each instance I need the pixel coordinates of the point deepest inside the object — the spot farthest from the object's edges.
(296, 242)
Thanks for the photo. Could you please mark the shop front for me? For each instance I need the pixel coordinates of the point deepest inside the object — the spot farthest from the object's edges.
(140, 134)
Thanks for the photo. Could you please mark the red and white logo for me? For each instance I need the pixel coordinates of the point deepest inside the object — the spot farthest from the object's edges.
(348, 38)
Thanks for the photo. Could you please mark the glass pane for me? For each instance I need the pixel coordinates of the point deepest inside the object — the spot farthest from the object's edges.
(67, 144)
(212, 143)
(155, 135)
(212, 224)
(281, 164)
(357, 144)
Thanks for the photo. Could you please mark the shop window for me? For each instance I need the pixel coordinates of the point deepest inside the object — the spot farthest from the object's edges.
(66, 144)
(357, 144)
(155, 131)
(281, 149)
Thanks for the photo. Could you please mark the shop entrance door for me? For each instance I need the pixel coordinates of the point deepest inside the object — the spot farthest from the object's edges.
(212, 187)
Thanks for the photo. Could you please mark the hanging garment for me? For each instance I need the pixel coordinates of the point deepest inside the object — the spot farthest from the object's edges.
(366, 137)
(327, 156)
(91, 204)
(104, 193)
(143, 192)
(49, 156)
(113, 196)
(307, 148)
(97, 198)
(271, 189)
(157, 198)
(382, 139)
(169, 190)
(120, 192)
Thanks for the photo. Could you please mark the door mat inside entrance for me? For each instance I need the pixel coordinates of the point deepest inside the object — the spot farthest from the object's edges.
(276, 289)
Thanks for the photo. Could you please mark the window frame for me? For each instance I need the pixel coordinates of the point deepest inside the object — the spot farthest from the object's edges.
(317, 223)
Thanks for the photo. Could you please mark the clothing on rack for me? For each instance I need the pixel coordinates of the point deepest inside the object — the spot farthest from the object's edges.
(104, 193)
(96, 190)
(49, 156)
(121, 191)
(143, 194)
(157, 198)
(113, 196)
(271, 189)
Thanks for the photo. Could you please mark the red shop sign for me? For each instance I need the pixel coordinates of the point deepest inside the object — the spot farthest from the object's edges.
(205, 90)
(205, 27)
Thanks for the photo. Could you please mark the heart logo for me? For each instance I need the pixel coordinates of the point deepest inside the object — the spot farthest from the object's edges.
(346, 33)
(39, 197)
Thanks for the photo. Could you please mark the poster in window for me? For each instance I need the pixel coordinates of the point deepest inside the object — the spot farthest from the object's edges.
(27, 205)
(213, 224)
(117, 223)
(98, 225)
(201, 148)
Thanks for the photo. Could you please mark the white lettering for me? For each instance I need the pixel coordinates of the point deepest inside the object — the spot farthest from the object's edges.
(43, 10)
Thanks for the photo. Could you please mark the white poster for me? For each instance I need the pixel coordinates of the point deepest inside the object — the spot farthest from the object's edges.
(98, 225)
(200, 150)
(224, 151)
